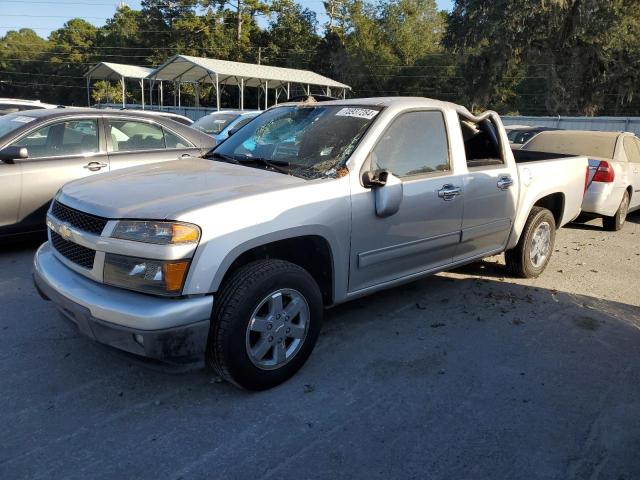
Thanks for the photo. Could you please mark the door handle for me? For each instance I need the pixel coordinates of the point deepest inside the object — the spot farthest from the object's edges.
(94, 166)
(186, 155)
(449, 192)
(505, 182)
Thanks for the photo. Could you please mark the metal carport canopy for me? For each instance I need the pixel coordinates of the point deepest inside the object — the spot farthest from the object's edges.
(115, 71)
(183, 68)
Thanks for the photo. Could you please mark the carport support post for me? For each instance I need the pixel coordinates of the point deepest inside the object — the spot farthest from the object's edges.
(266, 94)
(344, 93)
(242, 94)
(123, 93)
(161, 95)
(288, 89)
(88, 91)
(142, 85)
(217, 93)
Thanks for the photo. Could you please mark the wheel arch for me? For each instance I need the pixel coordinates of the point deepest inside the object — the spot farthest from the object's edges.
(555, 203)
(310, 250)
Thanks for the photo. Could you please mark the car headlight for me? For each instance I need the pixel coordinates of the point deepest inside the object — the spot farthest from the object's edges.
(157, 277)
(159, 233)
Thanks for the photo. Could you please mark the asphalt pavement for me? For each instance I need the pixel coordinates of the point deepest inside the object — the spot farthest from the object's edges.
(463, 375)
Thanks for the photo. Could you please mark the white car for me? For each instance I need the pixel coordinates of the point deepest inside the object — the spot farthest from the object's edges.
(12, 105)
(613, 185)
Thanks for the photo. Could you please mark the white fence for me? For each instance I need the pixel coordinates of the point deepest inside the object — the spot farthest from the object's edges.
(610, 124)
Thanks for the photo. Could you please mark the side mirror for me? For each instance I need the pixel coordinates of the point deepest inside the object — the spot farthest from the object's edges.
(388, 191)
(11, 153)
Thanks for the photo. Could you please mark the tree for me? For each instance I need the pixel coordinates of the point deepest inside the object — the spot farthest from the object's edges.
(553, 56)
(106, 92)
(291, 36)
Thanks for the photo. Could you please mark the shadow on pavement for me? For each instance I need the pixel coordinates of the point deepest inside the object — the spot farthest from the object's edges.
(441, 378)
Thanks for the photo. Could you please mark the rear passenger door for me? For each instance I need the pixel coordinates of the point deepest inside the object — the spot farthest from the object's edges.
(132, 142)
(490, 194)
(59, 152)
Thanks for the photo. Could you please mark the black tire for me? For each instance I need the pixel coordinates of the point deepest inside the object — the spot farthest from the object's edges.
(615, 223)
(227, 352)
(518, 259)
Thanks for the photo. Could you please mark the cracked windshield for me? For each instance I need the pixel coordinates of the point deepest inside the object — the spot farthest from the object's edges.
(305, 141)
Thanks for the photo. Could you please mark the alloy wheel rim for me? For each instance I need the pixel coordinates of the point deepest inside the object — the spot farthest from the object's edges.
(540, 245)
(277, 329)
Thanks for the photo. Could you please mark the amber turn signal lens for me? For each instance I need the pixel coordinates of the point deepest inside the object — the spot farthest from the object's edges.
(174, 273)
(184, 233)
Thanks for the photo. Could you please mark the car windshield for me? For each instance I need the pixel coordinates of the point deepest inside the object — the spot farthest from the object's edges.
(214, 123)
(13, 121)
(307, 141)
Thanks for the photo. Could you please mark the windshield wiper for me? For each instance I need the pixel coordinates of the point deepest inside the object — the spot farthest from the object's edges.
(222, 156)
(275, 164)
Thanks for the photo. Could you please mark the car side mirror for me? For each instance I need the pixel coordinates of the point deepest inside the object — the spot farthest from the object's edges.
(11, 153)
(388, 191)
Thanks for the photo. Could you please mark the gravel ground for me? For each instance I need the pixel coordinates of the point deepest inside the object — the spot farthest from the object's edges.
(464, 375)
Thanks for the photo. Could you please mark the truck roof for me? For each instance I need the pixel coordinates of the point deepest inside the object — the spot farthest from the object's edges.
(399, 101)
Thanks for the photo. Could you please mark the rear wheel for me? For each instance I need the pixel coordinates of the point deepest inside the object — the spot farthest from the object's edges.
(265, 324)
(615, 223)
(530, 257)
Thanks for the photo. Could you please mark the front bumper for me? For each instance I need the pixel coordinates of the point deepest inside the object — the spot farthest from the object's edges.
(171, 330)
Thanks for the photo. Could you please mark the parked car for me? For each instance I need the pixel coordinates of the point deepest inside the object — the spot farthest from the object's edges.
(225, 122)
(234, 256)
(521, 135)
(40, 150)
(12, 105)
(613, 187)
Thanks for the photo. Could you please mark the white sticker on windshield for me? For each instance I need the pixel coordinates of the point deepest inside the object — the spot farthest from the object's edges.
(23, 119)
(357, 112)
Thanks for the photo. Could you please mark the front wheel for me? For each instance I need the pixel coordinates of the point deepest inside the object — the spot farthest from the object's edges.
(615, 223)
(530, 257)
(265, 324)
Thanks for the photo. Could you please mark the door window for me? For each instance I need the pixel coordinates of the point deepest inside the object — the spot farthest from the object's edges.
(75, 137)
(415, 144)
(131, 136)
(173, 141)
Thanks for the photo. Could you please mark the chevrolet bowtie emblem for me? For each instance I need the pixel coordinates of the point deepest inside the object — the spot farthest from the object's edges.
(64, 232)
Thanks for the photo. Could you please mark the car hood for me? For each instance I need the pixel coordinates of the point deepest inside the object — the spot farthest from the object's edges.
(169, 189)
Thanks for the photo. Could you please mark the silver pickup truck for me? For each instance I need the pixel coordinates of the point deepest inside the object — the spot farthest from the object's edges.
(234, 257)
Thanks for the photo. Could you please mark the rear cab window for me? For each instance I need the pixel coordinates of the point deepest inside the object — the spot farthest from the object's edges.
(482, 143)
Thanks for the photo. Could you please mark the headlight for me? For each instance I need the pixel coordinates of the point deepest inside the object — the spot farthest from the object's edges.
(157, 277)
(160, 233)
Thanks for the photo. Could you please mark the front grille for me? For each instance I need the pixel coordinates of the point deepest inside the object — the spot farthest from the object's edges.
(78, 254)
(83, 221)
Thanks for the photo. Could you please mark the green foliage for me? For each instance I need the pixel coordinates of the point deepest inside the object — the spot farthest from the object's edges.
(527, 56)
(106, 92)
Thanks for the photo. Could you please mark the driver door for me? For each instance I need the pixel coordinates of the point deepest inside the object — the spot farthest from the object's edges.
(58, 153)
(424, 233)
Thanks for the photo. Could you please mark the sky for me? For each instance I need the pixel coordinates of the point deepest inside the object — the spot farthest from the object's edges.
(43, 16)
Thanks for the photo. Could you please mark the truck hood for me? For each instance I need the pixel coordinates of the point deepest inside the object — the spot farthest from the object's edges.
(167, 190)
